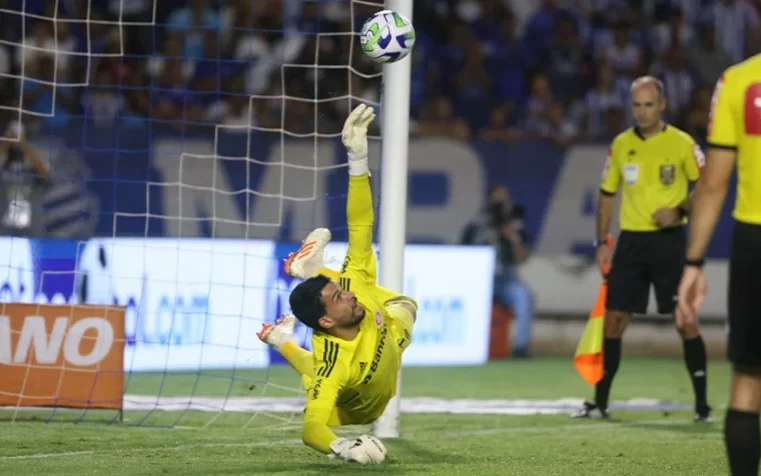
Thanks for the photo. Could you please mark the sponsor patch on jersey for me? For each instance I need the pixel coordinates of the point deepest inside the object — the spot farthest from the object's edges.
(631, 173)
(667, 174)
(378, 319)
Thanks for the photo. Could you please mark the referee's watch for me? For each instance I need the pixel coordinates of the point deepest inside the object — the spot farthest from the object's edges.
(598, 243)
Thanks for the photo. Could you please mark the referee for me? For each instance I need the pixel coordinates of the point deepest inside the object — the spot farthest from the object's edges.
(734, 135)
(653, 164)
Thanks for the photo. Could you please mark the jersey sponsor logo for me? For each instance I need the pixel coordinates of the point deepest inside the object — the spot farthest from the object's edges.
(699, 156)
(378, 318)
(362, 366)
(714, 102)
(329, 358)
(377, 356)
(667, 174)
(316, 389)
(631, 173)
(344, 283)
(752, 109)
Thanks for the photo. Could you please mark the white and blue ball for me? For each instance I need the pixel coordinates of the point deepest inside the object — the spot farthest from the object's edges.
(387, 36)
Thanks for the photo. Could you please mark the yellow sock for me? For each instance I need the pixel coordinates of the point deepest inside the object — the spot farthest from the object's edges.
(300, 359)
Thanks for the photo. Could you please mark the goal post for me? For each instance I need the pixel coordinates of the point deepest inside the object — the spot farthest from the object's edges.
(395, 119)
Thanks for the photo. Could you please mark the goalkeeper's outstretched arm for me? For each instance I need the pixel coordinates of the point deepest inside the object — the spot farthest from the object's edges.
(359, 207)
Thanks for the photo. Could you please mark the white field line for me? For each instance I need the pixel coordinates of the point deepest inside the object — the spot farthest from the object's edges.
(293, 441)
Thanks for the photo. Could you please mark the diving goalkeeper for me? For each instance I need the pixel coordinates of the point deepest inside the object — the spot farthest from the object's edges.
(360, 329)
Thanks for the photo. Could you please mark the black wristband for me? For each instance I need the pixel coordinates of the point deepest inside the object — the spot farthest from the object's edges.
(697, 263)
(682, 212)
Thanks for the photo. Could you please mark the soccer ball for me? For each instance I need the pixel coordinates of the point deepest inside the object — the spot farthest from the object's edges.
(387, 37)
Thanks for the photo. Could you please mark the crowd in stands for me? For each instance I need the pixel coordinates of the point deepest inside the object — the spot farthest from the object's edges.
(490, 69)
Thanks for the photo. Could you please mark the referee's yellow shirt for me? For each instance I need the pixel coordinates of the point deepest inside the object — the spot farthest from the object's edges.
(653, 173)
(736, 124)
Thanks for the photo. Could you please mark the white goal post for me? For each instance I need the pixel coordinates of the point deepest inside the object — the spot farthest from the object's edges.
(395, 112)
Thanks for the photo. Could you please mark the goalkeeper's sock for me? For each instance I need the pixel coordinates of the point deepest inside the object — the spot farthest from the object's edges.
(742, 437)
(695, 359)
(611, 352)
(300, 359)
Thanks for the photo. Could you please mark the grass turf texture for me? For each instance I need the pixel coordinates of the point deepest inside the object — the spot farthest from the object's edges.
(631, 443)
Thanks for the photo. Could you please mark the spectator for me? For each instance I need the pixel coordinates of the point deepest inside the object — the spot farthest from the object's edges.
(23, 181)
(732, 20)
(678, 80)
(676, 32)
(540, 99)
(622, 54)
(557, 128)
(102, 102)
(507, 59)
(601, 98)
(567, 59)
(501, 225)
(539, 28)
(171, 53)
(500, 128)
(190, 24)
(439, 120)
(473, 88)
(708, 60)
(51, 103)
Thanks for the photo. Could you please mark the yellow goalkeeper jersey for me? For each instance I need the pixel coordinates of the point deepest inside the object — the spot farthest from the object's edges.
(354, 380)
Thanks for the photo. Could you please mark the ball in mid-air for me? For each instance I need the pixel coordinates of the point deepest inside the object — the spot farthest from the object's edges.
(387, 36)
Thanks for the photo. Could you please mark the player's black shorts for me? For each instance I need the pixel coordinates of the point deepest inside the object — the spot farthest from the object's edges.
(643, 258)
(744, 340)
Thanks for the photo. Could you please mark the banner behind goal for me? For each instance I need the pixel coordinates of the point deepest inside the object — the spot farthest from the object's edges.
(164, 158)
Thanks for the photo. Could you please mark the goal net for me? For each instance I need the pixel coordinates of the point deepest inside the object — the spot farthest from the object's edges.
(166, 157)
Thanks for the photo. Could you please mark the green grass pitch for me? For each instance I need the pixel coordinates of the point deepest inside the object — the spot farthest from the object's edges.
(233, 443)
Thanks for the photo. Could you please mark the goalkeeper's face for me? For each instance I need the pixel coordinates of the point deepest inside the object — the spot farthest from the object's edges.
(342, 309)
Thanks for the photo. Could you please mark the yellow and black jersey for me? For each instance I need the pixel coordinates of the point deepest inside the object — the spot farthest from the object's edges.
(735, 123)
(653, 173)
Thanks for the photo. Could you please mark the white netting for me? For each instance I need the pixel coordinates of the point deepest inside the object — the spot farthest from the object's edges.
(163, 125)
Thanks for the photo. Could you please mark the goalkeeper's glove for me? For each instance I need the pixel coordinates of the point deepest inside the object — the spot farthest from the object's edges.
(363, 450)
(354, 137)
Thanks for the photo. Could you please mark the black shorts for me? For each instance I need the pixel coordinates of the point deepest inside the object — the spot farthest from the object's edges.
(643, 258)
(744, 296)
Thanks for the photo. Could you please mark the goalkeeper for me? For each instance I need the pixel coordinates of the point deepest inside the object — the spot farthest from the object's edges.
(360, 329)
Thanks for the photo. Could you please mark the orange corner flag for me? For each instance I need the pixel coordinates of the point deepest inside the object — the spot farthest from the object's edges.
(588, 358)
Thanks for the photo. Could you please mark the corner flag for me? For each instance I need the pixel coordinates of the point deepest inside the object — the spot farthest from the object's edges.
(588, 358)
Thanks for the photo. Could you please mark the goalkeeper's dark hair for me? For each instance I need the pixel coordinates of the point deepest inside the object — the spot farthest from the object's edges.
(306, 301)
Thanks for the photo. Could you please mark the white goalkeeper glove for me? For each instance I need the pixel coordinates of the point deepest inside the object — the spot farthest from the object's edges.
(363, 450)
(354, 137)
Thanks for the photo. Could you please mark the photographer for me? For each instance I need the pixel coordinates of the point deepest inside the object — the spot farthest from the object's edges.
(23, 181)
(501, 225)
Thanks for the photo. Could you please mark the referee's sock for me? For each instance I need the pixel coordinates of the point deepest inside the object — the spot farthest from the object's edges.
(611, 358)
(742, 437)
(695, 358)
